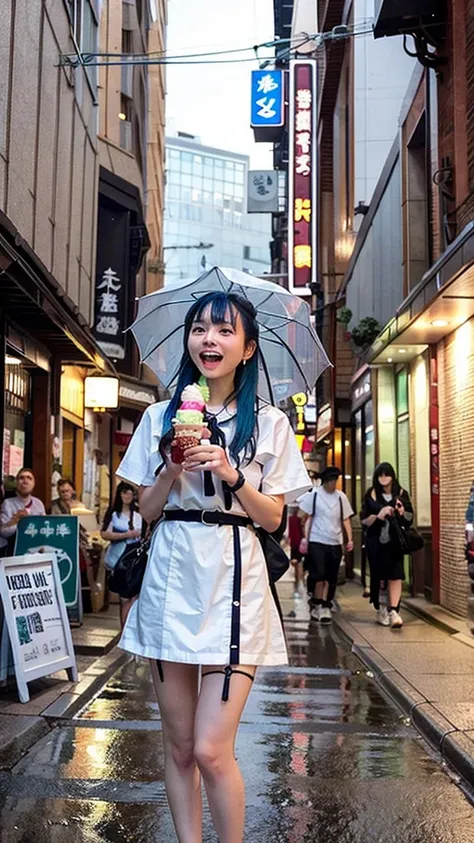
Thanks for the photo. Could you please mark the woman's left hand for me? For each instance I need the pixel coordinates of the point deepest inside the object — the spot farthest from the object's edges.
(400, 509)
(210, 458)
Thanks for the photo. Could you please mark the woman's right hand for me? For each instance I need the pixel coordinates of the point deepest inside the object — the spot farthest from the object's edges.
(134, 534)
(385, 512)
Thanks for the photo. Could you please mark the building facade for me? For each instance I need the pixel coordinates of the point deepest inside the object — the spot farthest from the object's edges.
(410, 269)
(206, 221)
(69, 177)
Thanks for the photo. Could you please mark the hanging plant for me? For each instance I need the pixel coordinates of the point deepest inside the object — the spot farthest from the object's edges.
(365, 332)
(344, 315)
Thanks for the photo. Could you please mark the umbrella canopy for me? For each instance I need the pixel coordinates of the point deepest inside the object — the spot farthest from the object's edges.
(291, 354)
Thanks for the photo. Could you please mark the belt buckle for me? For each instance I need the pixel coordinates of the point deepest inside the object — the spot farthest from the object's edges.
(203, 521)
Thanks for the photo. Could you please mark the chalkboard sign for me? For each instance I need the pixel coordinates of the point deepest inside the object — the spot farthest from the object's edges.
(59, 533)
(36, 618)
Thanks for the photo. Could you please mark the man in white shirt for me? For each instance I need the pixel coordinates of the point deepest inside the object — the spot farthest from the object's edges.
(13, 509)
(330, 512)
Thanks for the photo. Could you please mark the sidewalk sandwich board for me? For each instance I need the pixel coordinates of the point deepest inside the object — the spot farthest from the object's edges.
(36, 618)
(58, 533)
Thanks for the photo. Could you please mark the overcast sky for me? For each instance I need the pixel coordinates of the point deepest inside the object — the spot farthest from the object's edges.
(213, 101)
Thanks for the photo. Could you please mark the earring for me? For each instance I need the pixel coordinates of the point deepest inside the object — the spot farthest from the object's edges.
(244, 362)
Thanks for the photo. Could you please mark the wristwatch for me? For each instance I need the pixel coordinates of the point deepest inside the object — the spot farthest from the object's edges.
(238, 485)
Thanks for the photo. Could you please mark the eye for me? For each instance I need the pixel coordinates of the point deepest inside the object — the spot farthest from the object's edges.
(197, 329)
(226, 331)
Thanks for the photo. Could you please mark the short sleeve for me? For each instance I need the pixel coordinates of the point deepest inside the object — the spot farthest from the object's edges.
(283, 470)
(305, 503)
(142, 457)
(347, 511)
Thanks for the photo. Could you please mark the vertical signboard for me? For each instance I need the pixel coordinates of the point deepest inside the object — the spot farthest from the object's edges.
(111, 299)
(36, 617)
(302, 186)
(267, 98)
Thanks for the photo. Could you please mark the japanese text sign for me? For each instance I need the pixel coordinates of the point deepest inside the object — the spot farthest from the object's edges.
(58, 534)
(38, 628)
(302, 215)
(111, 289)
(267, 107)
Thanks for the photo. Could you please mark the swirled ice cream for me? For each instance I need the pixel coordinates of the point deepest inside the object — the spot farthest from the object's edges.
(189, 422)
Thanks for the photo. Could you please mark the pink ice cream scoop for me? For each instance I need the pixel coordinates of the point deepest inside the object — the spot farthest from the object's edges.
(192, 405)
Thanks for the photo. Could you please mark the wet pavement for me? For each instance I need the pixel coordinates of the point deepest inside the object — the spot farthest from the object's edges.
(325, 757)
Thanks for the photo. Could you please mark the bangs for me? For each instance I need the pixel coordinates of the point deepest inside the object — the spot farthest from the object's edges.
(219, 309)
(387, 469)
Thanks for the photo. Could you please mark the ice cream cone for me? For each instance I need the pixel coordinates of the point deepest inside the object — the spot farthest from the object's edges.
(185, 436)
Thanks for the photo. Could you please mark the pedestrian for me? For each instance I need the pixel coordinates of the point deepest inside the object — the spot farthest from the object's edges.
(330, 513)
(121, 527)
(295, 535)
(205, 602)
(384, 501)
(17, 507)
(64, 505)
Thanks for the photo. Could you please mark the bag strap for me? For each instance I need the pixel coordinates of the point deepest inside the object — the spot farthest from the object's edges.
(341, 508)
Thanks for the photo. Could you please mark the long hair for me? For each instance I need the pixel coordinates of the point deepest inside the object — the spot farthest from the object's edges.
(389, 471)
(117, 505)
(223, 307)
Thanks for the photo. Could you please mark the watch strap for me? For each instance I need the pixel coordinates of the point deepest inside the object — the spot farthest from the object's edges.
(239, 483)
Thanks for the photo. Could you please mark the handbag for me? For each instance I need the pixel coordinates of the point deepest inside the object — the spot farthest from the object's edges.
(408, 536)
(275, 557)
(127, 576)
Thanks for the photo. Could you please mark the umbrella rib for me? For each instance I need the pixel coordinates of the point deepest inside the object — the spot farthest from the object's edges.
(168, 336)
(157, 307)
(267, 376)
(280, 341)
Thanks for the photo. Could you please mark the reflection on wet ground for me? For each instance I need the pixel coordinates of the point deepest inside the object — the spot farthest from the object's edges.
(324, 755)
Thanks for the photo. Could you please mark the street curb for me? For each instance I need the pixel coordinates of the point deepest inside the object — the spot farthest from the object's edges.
(92, 680)
(455, 746)
(18, 732)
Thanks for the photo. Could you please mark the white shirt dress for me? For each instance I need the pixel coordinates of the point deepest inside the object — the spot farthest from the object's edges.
(187, 609)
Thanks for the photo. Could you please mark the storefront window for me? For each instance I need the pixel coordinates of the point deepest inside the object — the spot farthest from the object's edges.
(369, 441)
(17, 408)
(403, 430)
(358, 461)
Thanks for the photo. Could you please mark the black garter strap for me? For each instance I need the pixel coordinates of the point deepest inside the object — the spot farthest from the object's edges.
(228, 671)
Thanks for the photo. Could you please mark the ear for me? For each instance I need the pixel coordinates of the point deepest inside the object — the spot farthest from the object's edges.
(250, 350)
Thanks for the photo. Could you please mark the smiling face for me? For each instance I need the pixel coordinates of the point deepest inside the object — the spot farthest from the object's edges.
(218, 348)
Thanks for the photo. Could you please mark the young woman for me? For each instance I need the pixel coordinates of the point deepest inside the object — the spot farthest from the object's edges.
(205, 603)
(383, 502)
(122, 526)
(63, 505)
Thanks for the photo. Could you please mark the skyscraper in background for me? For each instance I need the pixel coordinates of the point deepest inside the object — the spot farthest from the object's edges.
(206, 221)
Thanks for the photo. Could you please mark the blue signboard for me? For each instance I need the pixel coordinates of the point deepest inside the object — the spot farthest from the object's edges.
(267, 98)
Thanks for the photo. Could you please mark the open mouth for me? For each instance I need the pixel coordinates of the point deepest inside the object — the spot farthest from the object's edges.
(210, 359)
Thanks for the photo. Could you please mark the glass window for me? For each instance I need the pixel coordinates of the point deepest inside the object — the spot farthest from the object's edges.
(219, 185)
(218, 165)
(229, 168)
(239, 191)
(218, 199)
(238, 205)
(237, 219)
(239, 168)
(369, 443)
(172, 191)
(196, 213)
(227, 202)
(218, 216)
(359, 490)
(186, 180)
(197, 179)
(186, 157)
(197, 161)
(227, 217)
(174, 176)
(173, 153)
(207, 184)
(185, 194)
(207, 197)
(196, 196)
(186, 167)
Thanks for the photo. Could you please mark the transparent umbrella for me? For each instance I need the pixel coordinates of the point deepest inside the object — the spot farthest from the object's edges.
(291, 354)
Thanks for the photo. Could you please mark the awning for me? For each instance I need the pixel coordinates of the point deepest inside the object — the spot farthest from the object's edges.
(32, 299)
(136, 394)
(441, 302)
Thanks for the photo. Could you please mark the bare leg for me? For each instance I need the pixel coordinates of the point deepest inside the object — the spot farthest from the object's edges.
(215, 730)
(394, 593)
(177, 699)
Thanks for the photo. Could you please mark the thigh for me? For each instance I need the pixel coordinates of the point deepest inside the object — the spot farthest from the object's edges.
(216, 721)
(316, 561)
(177, 698)
(333, 559)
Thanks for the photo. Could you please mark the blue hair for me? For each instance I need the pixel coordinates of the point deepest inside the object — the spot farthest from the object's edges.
(223, 307)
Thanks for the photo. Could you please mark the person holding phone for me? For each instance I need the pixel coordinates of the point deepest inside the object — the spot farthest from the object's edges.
(384, 501)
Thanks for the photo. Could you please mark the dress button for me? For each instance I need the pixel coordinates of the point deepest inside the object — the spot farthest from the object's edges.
(236, 603)
(233, 646)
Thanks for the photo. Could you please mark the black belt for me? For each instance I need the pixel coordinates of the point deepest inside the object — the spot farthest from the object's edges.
(208, 517)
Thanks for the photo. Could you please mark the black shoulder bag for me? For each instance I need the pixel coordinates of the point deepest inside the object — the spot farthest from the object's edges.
(127, 576)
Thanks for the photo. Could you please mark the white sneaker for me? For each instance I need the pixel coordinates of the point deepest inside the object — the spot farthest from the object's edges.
(383, 617)
(325, 614)
(395, 619)
(315, 613)
(296, 595)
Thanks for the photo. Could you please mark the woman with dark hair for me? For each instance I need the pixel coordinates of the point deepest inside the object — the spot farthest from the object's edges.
(382, 503)
(122, 526)
(205, 616)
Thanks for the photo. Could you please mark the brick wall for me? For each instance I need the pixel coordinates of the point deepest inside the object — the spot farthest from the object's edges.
(456, 432)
